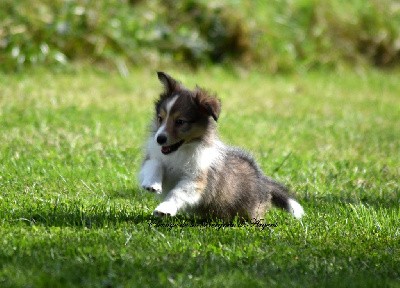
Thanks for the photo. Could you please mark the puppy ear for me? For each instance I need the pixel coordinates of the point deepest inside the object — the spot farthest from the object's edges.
(210, 105)
(169, 83)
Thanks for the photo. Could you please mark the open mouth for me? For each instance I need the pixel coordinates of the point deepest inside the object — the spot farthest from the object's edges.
(169, 149)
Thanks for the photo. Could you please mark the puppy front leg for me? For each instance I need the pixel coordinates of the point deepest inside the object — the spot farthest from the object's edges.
(150, 176)
(185, 194)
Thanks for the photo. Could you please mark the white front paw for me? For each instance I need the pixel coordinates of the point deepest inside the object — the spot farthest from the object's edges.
(152, 187)
(165, 209)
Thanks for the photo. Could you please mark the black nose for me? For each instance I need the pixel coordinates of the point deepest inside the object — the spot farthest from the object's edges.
(161, 139)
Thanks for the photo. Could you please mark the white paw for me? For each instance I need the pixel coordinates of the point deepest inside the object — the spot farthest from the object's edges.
(165, 209)
(152, 187)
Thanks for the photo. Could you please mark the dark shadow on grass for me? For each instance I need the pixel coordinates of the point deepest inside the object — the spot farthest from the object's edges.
(102, 216)
(92, 220)
(78, 219)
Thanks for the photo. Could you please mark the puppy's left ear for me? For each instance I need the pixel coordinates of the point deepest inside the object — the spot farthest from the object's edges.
(210, 105)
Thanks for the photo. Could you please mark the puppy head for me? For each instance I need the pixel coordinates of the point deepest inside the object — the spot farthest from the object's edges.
(182, 115)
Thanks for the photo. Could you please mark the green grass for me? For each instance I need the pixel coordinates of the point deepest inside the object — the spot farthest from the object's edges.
(71, 212)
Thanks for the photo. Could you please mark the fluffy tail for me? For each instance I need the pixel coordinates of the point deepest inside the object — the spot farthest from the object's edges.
(282, 200)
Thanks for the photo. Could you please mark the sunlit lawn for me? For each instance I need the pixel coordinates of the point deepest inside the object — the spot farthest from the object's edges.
(71, 212)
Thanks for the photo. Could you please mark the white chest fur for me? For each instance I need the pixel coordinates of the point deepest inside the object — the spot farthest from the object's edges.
(187, 162)
(177, 173)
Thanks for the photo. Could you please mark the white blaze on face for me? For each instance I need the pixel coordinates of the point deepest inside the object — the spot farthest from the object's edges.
(169, 106)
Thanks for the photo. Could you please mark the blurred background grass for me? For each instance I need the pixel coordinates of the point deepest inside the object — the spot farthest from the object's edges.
(273, 36)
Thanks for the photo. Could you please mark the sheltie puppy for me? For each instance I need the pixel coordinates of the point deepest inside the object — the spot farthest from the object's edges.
(194, 172)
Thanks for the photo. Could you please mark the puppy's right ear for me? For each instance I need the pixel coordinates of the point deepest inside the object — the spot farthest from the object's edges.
(170, 84)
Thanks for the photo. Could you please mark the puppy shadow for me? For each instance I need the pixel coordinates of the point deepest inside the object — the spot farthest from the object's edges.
(79, 217)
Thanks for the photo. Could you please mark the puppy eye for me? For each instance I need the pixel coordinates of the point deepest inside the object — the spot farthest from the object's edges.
(159, 119)
(179, 122)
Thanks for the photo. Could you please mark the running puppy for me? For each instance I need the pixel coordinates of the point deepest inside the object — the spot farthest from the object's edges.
(193, 171)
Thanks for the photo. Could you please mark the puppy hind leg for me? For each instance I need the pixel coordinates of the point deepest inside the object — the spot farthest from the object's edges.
(258, 212)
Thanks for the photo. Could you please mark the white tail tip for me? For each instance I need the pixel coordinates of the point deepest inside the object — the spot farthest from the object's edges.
(296, 209)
